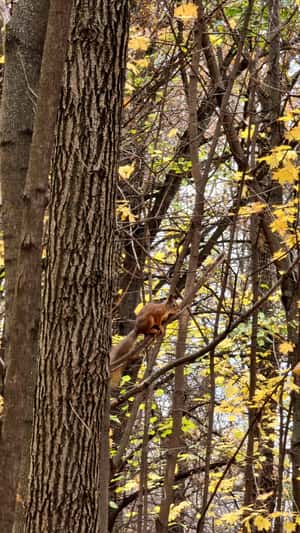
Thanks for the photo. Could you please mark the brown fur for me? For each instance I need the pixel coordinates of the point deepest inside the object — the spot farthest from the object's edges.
(150, 320)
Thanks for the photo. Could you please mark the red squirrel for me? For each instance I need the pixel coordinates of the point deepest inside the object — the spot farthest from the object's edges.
(150, 320)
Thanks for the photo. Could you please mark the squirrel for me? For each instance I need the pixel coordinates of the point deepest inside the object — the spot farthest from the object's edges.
(150, 320)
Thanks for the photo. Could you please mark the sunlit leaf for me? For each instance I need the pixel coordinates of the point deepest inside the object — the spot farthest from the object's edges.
(252, 208)
(286, 347)
(293, 134)
(286, 174)
(126, 171)
(177, 509)
(139, 43)
(124, 212)
(279, 225)
(296, 369)
(247, 133)
(262, 523)
(172, 133)
(289, 527)
(186, 11)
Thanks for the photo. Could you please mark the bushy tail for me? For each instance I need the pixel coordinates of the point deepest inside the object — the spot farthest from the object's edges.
(118, 352)
(123, 347)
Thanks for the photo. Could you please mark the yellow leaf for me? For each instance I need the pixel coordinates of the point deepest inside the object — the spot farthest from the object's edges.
(126, 170)
(172, 133)
(286, 174)
(143, 62)
(280, 254)
(176, 510)
(296, 369)
(186, 11)
(254, 207)
(289, 527)
(216, 39)
(247, 133)
(287, 117)
(293, 134)
(271, 160)
(279, 225)
(247, 526)
(286, 347)
(124, 211)
(139, 43)
(262, 523)
(132, 67)
(232, 22)
(2, 60)
(280, 153)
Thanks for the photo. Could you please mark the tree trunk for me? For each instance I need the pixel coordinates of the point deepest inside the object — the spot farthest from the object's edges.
(24, 45)
(69, 471)
(24, 41)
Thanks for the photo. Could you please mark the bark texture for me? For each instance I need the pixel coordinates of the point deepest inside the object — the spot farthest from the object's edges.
(24, 45)
(69, 473)
(20, 379)
(24, 41)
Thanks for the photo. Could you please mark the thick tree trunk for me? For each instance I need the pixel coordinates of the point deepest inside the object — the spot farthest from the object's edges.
(24, 45)
(69, 473)
(25, 316)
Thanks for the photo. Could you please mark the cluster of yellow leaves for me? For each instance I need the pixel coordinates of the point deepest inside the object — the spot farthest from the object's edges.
(268, 388)
(176, 510)
(284, 155)
(278, 155)
(227, 483)
(139, 42)
(131, 484)
(284, 216)
(290, 115)
(124, 212)
(261, 523)
(186, 11)
(138, 64)
(258, 519)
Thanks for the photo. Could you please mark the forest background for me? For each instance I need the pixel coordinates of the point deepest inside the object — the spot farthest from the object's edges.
(183, 179)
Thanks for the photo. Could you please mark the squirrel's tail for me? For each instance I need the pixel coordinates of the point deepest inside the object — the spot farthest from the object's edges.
(123, 347)
(117, 352)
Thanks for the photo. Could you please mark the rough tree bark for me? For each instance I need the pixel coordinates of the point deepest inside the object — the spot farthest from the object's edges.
(24, 41)
(69, 471)
(25, 315)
